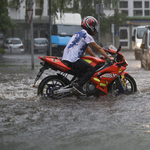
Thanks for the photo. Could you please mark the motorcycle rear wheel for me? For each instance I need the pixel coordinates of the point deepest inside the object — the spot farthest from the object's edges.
(49, 84)
(116, 89)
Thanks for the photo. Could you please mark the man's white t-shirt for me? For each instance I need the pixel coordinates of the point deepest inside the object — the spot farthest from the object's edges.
(77, 46)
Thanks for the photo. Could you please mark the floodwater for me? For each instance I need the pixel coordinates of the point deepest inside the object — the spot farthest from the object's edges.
(28, 122)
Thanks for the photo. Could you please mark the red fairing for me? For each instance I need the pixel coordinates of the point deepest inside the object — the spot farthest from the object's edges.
(93, 60)
(56, 62)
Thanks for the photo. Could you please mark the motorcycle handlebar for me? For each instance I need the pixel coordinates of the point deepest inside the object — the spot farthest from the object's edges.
(114, 55)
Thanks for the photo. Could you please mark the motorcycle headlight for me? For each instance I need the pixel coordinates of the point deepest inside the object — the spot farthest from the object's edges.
(138, 44)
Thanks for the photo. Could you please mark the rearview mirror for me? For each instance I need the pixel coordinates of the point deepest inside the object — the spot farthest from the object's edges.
(118, 50)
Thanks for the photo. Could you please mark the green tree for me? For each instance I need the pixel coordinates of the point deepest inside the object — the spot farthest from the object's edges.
(89, 8)
(56, 5)
(5, 21)
(106, 21)
(75, 7)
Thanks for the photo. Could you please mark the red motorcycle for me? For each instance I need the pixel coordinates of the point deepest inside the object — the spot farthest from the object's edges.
(109, 76)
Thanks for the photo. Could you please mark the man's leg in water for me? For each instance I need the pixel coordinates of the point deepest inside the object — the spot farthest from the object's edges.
(88, 71)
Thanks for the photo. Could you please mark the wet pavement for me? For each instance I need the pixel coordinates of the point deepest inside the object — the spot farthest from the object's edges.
(28, 122)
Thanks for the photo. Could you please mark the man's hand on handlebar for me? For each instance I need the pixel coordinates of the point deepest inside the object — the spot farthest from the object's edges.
(111, 58)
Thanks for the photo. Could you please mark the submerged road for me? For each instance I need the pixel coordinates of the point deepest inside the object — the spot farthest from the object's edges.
(28, 122)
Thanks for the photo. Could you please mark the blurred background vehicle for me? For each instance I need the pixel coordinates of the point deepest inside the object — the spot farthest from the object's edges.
(137, 39)
(145, 49)
(13, 46)
(62, 31)
(40, 45)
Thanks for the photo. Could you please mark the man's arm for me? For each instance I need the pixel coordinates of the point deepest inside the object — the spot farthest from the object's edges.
(100, 50)
(89, 51)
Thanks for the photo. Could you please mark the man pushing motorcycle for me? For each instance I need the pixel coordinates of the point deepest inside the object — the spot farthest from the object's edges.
(77, 45)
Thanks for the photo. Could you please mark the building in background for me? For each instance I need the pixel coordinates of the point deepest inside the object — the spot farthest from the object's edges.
(137, 12)
(40, 25)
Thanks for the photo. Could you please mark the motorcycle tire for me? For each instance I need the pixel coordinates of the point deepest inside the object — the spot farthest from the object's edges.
(49, 84)
(116, 89)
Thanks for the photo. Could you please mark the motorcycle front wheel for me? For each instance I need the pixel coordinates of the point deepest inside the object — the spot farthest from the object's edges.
(115, 87)
(49, 84)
